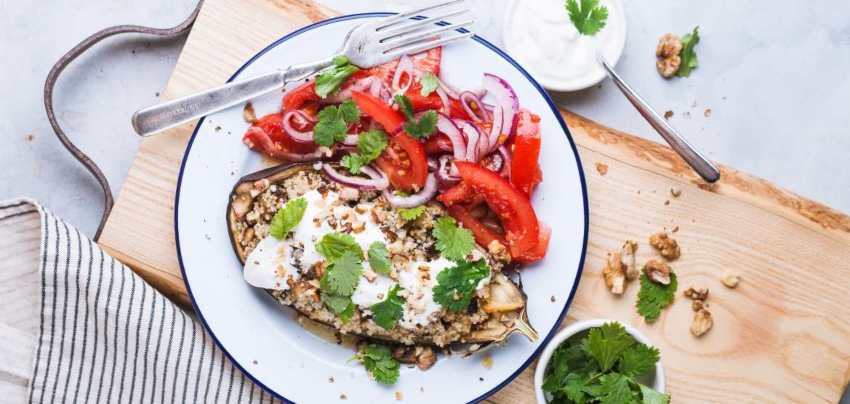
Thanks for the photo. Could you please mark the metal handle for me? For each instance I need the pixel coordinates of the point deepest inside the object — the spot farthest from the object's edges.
(695, 159)
(151, 120)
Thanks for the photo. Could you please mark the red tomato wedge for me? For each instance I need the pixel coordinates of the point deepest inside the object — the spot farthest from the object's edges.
(484, 235)
(420, 102)
(539, 251)
(267, 136)
(295, 98)
(438, 143)
(461, 193)
(513, 208)
(404, 162)
(380, 111)
(525, 172)
(428, 61)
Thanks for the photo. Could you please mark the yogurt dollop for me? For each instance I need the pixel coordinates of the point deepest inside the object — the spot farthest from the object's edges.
(540, 35)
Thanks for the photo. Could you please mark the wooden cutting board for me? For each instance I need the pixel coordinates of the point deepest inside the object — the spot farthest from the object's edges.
(783, 335)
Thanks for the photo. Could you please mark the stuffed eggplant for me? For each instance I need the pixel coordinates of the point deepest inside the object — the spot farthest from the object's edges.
(294, 227)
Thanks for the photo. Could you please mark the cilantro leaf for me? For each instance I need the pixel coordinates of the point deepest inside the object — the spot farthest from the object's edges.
(456, 285)
(340, 60)
(330, 79)
(333, 246)
(638, 359)
(342, 276)
(653, 297)
(454, 242)
(650, 396)
(339, 305)
(349, 112)
(404, 105)
(411, 213)
(429, 83)
(287, 217)
(387, 313)
(330, 128)
(424, 127)
(379, 363)
(588, 16)
(607, 343)
(370, 145)
(379, 258)
(353, 162)
(688, 55)
(614, 388)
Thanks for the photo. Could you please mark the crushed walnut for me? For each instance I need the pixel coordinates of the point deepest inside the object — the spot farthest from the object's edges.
(667, 55)
(730, 280)
(602, 168)
(696, 294)
(614, 273)
(675, 192)
(248, 113)
(422, 356)
(666, 245)
(702, 323)
(657, 271)
(629, 251)
(398, 396)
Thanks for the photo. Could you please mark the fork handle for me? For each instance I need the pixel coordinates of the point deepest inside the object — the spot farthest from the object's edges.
(707, 170)
(151, 120)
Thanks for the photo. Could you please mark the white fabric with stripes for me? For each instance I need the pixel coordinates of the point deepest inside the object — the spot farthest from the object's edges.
(106, 336)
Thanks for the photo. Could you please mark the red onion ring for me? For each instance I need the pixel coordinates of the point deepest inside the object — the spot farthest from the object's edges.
(444, 172)
(473, 136)
(466, 100)
(412, 201)
(451, 92)
(432, 164)
(376, 181)
(448, 128)
(405, 65)
(496, 162)
(294, 134)
(496, 130)
(505, 97)
(444, 100)
(506, 166)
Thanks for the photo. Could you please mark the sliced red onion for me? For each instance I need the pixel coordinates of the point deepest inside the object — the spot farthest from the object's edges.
(296, 135)
(506, 166)
(376, 180)
(432, 164)
(444, 100)
(451, 92)
(405, 65)
(473, 136)
(496, 130)
(477, 113)
(447, 127)
(495, 163)
(447, 172)
(505, 97)
(412, 201)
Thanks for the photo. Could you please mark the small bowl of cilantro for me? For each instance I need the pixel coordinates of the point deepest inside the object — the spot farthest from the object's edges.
(600, 361)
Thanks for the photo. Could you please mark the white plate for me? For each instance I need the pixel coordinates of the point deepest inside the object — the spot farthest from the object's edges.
(264, 340)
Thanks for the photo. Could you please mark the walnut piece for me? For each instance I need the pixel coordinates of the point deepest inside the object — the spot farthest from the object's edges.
(615, 273)
(629, 250)
(667, 55)
(248, 113)
(702, 323)
(657, 271)
(696, 294)
(730, 280)
(422, 356)
(666, 245)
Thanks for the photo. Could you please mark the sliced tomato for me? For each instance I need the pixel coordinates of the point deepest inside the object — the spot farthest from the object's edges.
(461, 193)
(420, 102)
(438, 144)
(270, 126)
(380, 111)
(456, 110)
(483, 234)
(539, 251)
(295, 98)
(525, 171)
(427, 61)
(404, 162)
(511, 206)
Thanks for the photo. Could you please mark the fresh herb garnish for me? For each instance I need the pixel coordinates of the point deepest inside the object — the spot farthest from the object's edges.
(333, 123)
(453, 241)
(587, 16)
(342, 276)
(369, 146)
(329, 80)
(411, 213)
(339, 305)
(688, 55)
(287, 217)
(387, 313)
(379, 258)
(456, 285)
(333, 245)
(378, 361)
(422, 128)
(602, 366)
(653, 297)
(429, 83)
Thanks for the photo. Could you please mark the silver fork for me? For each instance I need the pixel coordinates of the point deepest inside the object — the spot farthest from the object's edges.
(366, 45)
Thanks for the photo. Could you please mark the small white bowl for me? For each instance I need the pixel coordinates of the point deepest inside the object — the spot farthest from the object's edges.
(658, 382)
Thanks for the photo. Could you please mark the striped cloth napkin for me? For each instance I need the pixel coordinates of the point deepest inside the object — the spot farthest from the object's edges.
(77, 326)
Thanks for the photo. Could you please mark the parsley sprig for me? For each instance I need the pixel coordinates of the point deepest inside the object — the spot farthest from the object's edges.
(287, 217)
(602, 365)
(422, 128)
(587, 16)
(332, 126)
(378, 361)
(453, 241)
(456, 285)
(653, 297)
(330, 79)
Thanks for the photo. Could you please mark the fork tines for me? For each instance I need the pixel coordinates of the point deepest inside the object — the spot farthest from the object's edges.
(401, 34)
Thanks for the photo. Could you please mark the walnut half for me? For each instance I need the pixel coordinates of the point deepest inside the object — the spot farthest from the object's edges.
(615, 273)
(666, 245)
(667, 55)
(657, 271)
(629, 250)
(702, 323)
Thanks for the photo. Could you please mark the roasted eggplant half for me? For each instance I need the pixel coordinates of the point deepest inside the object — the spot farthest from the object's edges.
(291, 269)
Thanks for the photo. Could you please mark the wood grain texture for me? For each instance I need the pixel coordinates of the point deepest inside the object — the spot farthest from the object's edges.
(782, 336)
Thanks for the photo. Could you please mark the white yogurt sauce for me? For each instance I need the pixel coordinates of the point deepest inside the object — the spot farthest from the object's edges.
(540, 35)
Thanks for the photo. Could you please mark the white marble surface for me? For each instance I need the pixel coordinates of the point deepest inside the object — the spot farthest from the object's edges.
(775, 75)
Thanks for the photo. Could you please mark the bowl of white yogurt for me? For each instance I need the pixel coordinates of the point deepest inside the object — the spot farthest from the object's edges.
(541, 37)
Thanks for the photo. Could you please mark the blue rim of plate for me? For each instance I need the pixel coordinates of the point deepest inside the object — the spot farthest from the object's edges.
(493, 48)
